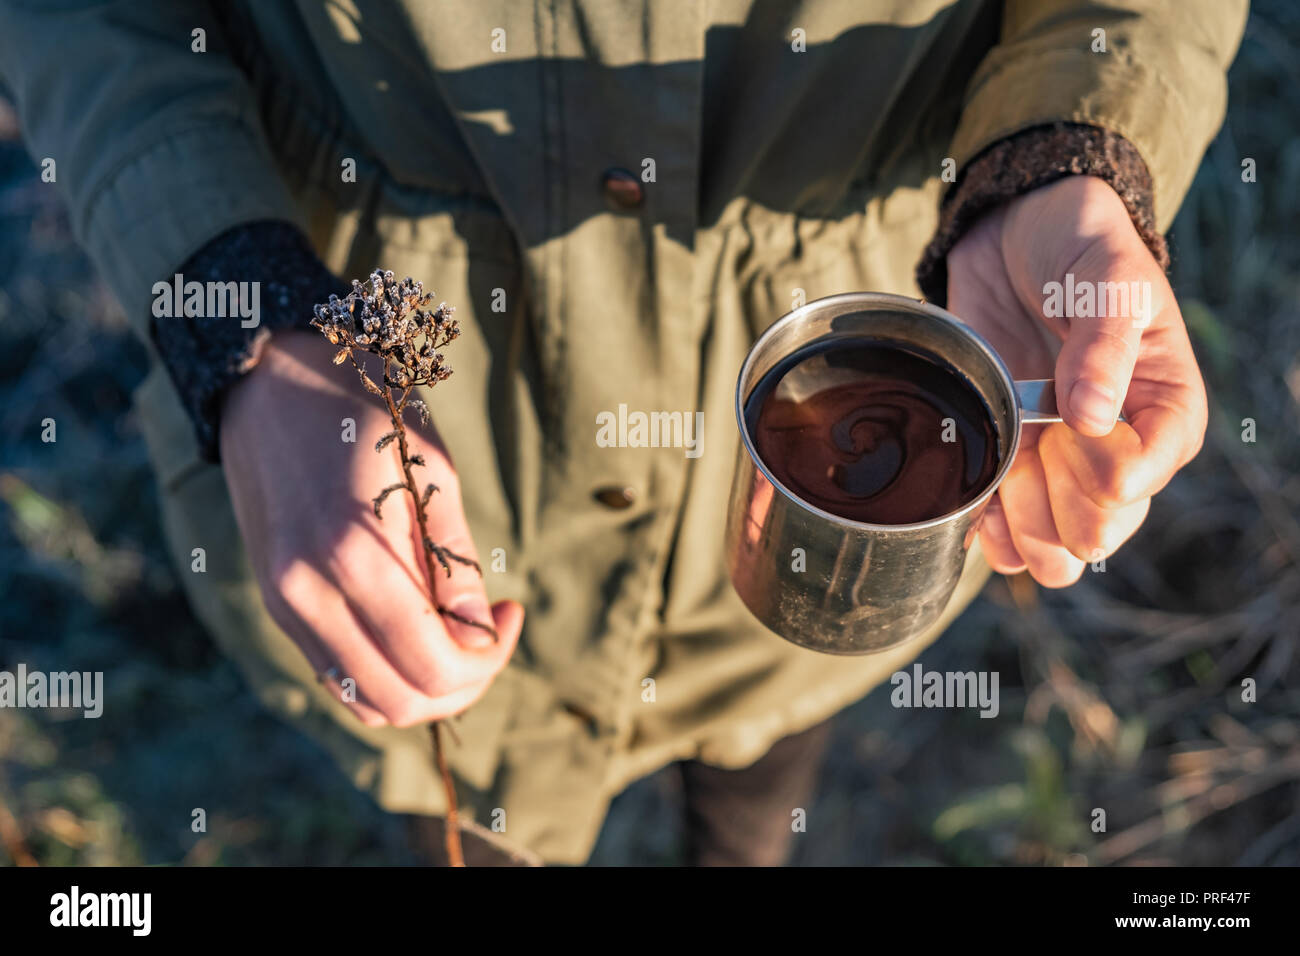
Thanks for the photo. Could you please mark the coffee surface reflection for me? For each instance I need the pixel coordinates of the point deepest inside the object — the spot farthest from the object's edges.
(873, 432)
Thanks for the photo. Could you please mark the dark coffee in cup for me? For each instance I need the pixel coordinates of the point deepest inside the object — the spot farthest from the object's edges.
(873, 431)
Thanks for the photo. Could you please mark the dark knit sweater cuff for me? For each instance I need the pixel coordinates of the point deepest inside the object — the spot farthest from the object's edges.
(1025, 161)
(206, 353)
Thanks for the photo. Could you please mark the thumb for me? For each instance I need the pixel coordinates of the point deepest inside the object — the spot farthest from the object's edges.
(1107, 298)
(508, 616)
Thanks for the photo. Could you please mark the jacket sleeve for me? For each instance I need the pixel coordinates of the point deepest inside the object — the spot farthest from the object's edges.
(1026, 161)
(1160, 84)
(156, 146)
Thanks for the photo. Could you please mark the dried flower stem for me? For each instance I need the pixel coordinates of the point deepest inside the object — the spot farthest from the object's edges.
(455, 856)
(430, 549)
(391, 320)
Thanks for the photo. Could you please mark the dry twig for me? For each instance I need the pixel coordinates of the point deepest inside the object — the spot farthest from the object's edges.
(393, 321)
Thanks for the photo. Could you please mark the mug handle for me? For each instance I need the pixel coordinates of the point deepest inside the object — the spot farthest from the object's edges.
(1037, 400)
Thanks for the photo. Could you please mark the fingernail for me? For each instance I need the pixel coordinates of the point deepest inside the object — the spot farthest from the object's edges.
(1093, 404)
(467, 635)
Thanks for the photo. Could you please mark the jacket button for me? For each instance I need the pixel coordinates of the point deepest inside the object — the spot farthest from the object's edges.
(623, 189)
(616, 497)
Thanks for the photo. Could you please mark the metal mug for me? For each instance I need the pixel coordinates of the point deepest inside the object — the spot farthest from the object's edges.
(863, 588)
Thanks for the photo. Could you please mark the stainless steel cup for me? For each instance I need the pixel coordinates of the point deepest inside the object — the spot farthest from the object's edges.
(848, 587)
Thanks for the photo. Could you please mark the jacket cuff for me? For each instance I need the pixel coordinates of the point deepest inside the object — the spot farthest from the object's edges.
(205, 354)
(1025, 161)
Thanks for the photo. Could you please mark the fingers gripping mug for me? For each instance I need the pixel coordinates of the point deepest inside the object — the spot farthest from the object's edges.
(838, 584)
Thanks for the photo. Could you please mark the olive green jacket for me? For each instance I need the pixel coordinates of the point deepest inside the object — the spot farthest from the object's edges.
(783, 151)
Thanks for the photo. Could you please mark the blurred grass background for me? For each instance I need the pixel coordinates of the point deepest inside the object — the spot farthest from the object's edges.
(1122, 693)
